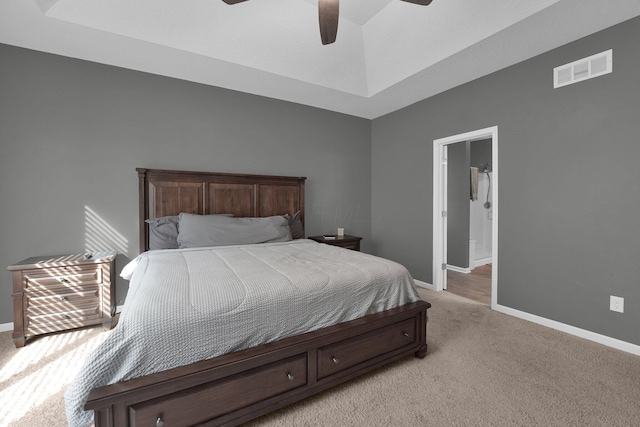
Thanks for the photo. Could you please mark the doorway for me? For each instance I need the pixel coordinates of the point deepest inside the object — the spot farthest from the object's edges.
(440, 205)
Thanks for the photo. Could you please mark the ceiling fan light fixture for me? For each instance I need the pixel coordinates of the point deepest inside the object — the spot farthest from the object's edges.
(328, 11)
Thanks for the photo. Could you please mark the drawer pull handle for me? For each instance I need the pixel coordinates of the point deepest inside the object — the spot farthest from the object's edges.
(334, 360)
(66, 316)
(290, 376)
(63, 298)
(64, 280)
(159, 422)
(406, 334)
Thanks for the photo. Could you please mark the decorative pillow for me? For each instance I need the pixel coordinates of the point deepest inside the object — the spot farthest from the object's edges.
(163, 232)
(295, 225)
(214, 230)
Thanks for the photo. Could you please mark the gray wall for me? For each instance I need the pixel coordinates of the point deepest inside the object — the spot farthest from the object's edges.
(569, 234)
(458, 211)
(73, 132)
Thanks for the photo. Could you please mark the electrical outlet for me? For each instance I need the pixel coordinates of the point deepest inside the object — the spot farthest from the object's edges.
(616, 304)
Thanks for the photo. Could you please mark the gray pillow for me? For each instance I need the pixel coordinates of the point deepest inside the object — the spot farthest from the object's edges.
(295, 225)
(213, 230)
(163, 232)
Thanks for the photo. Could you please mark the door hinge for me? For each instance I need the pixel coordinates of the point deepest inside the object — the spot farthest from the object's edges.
(444, 214)
(444, 265)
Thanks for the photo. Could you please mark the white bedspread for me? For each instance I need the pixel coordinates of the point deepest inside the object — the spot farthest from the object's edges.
(186, 305)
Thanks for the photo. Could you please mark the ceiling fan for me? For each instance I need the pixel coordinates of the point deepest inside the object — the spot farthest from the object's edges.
(328, 16)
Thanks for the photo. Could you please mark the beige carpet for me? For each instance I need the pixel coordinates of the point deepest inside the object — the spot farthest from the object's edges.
(483, 369)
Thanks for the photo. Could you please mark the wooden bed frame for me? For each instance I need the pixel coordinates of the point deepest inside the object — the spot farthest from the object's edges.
(237, 387)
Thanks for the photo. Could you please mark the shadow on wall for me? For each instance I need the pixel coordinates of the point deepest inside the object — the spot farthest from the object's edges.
(100, 236)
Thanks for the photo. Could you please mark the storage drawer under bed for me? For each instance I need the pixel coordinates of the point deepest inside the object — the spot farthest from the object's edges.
(344, 354)
(218, 398)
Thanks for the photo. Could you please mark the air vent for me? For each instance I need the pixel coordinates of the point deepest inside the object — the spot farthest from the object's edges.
(583, 69)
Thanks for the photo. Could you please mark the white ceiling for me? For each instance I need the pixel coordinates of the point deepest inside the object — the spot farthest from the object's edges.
(388, 54)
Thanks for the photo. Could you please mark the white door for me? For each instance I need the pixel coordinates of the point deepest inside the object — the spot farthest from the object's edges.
(440, 217)
(445, 204)
(440, 206)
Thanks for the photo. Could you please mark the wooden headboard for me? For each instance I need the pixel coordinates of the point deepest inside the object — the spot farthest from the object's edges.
(169, 192)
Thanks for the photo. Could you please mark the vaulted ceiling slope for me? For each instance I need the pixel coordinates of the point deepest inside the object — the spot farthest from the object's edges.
(388, 53)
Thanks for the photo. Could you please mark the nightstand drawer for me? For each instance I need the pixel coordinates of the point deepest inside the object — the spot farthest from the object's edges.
(61, 278)
(46, 303)
(39, 318)
(354, 246)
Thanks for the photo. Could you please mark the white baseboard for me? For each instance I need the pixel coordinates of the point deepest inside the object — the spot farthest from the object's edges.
(458, 269)
(582, 333)
(482, 261)
(572, 330)
(425, 285)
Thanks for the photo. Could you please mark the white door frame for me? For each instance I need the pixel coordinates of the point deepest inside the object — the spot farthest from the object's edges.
(439, 206)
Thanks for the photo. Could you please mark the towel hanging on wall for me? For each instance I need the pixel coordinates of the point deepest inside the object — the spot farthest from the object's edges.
(474, 183)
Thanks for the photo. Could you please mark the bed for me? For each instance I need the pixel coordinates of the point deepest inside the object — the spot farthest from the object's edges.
(296, 360)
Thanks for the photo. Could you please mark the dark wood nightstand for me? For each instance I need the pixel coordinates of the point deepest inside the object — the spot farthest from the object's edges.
(56, 293)
(346, 241)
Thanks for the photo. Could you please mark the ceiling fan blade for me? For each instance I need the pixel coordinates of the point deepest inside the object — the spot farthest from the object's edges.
(233, 1)
(420, 2)
(328, 16)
